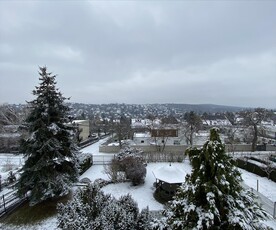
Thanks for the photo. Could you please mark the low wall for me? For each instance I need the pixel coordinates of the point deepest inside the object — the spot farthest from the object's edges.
(174, 148)
(109, 149)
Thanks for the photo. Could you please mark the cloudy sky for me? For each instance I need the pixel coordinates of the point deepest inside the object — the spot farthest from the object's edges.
(195, 52)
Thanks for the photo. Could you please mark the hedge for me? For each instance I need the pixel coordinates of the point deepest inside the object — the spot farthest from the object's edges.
(251, 167)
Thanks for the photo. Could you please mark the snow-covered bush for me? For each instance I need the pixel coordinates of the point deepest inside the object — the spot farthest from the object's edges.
(85, 162)
(129, 151)
(92, 209)
(86, 206)
(136, 173)
(144, 220)
(113, 172)
(129, 205)
(128, 164)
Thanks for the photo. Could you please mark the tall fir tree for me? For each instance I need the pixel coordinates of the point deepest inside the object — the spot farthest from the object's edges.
(51, 164)
(212, 196)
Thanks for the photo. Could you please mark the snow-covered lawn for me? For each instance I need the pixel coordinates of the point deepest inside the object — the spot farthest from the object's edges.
(266, 187)
(143, 194)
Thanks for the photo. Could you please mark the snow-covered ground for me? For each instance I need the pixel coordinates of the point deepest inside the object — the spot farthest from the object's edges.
(143, 194)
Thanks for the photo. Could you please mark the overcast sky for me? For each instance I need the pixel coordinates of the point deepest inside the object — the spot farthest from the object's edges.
(195, 52)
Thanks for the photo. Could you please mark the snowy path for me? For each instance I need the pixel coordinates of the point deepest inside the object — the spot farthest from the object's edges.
(98, 158)
(94, 148)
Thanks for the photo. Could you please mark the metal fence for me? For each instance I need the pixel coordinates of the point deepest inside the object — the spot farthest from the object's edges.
(9, 202)
(268, 205)
(102, 159)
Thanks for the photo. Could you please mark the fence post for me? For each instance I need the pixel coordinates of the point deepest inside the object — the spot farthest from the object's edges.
(274, 211)
(4, 203)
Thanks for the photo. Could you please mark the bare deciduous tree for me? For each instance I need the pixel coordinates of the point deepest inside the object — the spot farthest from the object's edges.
(193, 124)
(122, 129)
(253, 119)
(9, 116)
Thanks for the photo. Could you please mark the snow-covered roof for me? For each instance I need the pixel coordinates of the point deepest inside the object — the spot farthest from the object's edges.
(170, 174)
(222, 122)
(79, 121)
(141, 135)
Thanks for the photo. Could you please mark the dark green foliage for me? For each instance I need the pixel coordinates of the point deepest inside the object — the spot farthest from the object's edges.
(144, 220)
(212, 196)
(129, 205)
(51, 164)
(92, 209)
(253, 168)
(85, 163)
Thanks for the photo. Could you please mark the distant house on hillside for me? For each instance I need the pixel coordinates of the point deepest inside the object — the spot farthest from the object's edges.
(164, 132)
(269, 131)
(153, 132)
(139, 125)
(141, 138)
(83, 129)
(217, 122)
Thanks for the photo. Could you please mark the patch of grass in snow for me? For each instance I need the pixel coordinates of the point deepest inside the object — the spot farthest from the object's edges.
(26, 214)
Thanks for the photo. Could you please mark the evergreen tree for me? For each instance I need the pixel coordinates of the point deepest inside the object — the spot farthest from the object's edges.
(144, 220)
(83, 211)
(212, 196)
(92, 209)
(51, 165)
(129, 205)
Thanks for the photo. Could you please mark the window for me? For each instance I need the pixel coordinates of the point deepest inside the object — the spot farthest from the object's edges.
(176, 142)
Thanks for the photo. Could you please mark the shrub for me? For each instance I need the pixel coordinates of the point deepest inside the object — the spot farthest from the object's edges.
(136, 173)
(85, 162)
(128, 164)
(92, 209)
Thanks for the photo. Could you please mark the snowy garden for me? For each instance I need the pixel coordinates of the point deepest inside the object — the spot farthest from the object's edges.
(142, 194)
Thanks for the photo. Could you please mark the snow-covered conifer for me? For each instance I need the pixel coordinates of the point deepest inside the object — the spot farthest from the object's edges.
(212, 196)
(129, 205)
(73, 215)
(144, 220)
(115, 217)
(92, 209)
(83, 210)
(51, 165)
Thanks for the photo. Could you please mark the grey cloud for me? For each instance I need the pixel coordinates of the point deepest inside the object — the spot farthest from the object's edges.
(142, 52)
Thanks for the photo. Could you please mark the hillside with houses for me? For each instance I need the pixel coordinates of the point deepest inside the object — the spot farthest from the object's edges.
(147, 124)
